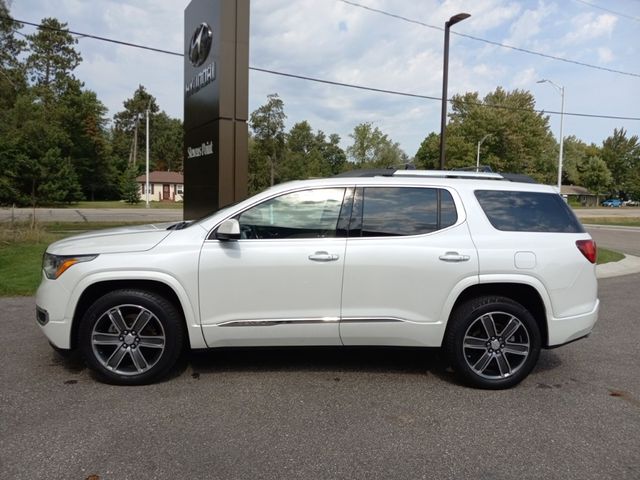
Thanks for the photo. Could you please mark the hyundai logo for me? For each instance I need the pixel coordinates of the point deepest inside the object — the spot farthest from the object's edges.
(200, 44)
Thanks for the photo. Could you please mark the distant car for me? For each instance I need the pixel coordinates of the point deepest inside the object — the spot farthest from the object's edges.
(612, 202)
(630, 203)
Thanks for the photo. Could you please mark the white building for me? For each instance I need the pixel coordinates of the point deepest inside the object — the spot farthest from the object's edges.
(163, 186)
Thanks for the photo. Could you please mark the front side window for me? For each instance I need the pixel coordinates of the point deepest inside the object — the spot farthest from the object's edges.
(303, 214)
(394, 211)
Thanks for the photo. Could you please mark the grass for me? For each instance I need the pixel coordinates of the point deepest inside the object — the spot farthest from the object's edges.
(618, 221)
(21, 250)
(606, 256)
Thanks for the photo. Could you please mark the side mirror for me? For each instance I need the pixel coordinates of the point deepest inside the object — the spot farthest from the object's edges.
(228, 230)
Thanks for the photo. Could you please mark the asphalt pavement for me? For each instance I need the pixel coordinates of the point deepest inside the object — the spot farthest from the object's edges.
(326, 413)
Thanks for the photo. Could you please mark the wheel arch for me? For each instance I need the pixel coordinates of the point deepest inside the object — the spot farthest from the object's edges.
(92, 289)
(525, 294)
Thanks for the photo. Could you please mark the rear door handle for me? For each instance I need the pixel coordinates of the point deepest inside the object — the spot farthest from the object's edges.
(454, 257)
(324, 257)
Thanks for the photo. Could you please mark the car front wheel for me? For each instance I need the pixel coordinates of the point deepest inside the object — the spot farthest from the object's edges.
(492, 342)
(131, 337)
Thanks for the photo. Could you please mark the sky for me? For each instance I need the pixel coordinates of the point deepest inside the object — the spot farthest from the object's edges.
(333, 40)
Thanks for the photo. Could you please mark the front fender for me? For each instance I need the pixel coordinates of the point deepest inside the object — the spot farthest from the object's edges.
(191, 315)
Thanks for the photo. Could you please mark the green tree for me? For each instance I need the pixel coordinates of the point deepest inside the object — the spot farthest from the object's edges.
(52, 59)
(129, 135)
(33, 141)
(267, 123)
(596, 176)
(129, 186)
(12, 77)
(166, 142)
(84, 118)
(372, 148)
(520, 140)
(333, 155)
(622, 157)
(258, 168)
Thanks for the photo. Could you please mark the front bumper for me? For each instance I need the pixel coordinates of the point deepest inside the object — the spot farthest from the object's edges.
(52, 300)
(568, 329)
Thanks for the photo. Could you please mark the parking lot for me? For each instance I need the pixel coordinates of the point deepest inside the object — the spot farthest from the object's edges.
(326, 413)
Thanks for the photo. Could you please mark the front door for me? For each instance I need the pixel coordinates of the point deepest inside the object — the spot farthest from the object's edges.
(280, 284)
(166, 192)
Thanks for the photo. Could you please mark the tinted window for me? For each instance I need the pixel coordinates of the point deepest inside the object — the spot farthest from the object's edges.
(392, 211)
(528, 211)
(304, 214)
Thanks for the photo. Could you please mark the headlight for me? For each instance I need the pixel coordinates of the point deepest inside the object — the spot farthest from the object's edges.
(55, 265)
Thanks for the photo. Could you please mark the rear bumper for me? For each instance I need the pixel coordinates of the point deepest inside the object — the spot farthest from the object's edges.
(568, 329)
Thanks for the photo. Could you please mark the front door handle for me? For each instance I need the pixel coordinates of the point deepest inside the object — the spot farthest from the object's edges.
(324, 257)
(454, 257)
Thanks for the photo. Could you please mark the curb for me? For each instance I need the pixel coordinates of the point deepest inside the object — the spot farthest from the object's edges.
(628, 265)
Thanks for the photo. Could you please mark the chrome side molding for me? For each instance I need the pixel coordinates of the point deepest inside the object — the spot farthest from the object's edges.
(271, 322)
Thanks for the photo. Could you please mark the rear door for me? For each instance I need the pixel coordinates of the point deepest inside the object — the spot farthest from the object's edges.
(407, 249)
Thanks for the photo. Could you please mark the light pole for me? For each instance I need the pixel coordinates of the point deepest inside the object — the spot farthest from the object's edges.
(147, 159)
(561, 90)
(445, 77)
(478, 156)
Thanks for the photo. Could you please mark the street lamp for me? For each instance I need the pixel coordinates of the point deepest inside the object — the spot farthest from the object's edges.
(445, 77)
(561, 90)
(478, 156)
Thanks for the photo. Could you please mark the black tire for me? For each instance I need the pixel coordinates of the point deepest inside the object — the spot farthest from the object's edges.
(494, 359)
(118, 353)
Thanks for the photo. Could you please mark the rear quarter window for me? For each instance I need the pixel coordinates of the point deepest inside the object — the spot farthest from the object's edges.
(528, 211)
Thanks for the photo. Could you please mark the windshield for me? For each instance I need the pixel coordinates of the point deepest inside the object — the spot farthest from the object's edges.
(189, 223)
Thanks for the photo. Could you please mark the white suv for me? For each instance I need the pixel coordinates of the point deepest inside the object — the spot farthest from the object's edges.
(489, 269)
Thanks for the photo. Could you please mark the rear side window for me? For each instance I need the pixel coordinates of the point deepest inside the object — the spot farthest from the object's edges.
(395, 211)
(528, 212)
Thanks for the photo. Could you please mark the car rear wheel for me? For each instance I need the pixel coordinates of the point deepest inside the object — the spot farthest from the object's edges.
(492, 342)
(131, 337)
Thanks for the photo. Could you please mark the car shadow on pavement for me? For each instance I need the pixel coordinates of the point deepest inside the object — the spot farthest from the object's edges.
(318, 359)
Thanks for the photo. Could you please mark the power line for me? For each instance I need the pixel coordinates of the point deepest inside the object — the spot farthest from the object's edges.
(95, 37)
(325, 81)
(610, 11)
(491, 42)
(416, 95)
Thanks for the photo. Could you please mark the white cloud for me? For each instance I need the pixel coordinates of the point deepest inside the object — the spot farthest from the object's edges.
(525, 79)
(605, 55)
(588, 26)
(529, 24)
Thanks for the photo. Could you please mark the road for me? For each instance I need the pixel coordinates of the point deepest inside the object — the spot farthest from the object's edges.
(326, 413)
(620, 239)
(141, 215)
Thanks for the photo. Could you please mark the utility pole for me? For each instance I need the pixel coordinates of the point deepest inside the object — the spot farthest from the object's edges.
(478, 156)
(560, 89)
(147, 158)
(135, 142)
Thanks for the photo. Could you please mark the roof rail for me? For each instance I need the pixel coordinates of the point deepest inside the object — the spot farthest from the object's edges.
(448, 174)
(392, 172)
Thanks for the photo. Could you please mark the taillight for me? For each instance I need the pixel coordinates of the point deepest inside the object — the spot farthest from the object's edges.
(588, 249)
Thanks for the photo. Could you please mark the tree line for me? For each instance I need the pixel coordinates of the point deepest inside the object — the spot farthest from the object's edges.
(57, 144)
